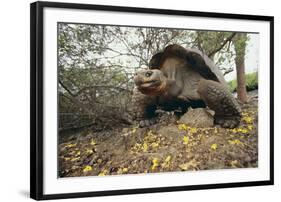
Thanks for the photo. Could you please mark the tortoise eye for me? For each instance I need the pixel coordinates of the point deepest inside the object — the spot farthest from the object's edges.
(148, 74)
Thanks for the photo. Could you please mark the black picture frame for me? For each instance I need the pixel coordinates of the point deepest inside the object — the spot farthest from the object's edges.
(37, 99)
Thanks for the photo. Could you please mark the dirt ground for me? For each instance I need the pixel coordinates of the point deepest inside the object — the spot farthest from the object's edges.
(164, 147)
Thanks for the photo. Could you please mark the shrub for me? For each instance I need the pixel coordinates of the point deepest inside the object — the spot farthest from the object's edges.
(251, 82)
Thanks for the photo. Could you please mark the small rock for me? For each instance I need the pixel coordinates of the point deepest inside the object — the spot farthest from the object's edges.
(171, 133)
(199, 117)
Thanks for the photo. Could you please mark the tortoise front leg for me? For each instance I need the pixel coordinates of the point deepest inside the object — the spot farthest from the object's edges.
(142, 108)
(219, 99)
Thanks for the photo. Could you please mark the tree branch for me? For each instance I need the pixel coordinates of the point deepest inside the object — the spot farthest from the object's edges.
(65, 88)
(227, 71)
(222, 45)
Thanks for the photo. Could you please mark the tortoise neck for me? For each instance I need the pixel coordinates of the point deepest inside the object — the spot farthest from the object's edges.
(162, 89)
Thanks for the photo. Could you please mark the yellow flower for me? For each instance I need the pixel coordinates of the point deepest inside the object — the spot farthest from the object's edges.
(144, 147)
(242, 130)
(103, 173)
(248, 119)
(250, 127)
(191, 164)
(167, 162)
(168, 158)
(75, 159)
(185, 140)
(193, 130)
(122, 170)
(93, 142)
(154, 145)
(214, 146)
(87, 168)
(78, 153)
(235, 142)
(125, 170)
(70, 145)
(234, 163)
(89, 151)
(155, 163)
(182, 127)
(184, 166)
(134, 129)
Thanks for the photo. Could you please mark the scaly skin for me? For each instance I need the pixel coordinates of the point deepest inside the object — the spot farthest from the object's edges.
(219, 99)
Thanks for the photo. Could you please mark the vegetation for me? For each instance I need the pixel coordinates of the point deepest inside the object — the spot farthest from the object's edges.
(251, 82)
(96, 64)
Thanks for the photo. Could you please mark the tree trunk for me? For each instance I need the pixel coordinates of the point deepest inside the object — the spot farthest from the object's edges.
(241, 81)
(240, 49)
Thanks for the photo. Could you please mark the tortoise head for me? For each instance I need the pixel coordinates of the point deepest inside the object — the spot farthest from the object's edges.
(150, 82)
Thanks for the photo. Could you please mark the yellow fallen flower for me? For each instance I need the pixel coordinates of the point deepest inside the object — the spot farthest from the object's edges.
(234, 163)
(248, 119)
(67, 158)
(193, 130)
(78, 153)
(168, 159)
(155, 163)
(245, 113)
(167, 162)
(125, 170)
(250, 127)
(154, 145)
(144, 147)
(242, 130)
(93, 142)
(214, 146)
(183, 166)
(134, 129)
(122, 170)
(75, 159)
(87, 168)
(89, 151)
(235, 142)
(182, 127)
(103, 173)
(70, 145)
(185, 140)
(191, 164)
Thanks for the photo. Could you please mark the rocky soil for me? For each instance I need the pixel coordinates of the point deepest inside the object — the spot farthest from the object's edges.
(170, 145)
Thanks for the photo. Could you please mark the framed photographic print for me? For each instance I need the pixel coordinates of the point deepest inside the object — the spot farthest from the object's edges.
(136, 100)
